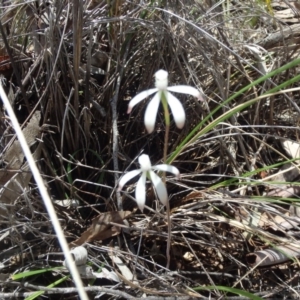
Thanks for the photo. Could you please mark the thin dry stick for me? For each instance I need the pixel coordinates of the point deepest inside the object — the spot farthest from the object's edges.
(77, 39)
(64, 291)
(95, 289)
(115, 145)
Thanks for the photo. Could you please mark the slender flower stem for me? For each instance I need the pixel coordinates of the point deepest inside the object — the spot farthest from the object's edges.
(167, 121)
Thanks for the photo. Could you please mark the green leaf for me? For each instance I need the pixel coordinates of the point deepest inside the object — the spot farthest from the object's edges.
(32, 273)
(230, 290)
(39, 293)
(198, 132)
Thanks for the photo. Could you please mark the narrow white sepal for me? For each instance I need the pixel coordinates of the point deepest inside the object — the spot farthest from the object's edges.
(185, 89)
(140, 192)
(128, 176)
(151, 112)
(177, 110)
(139, 97)
(159, 187)
(167, 168)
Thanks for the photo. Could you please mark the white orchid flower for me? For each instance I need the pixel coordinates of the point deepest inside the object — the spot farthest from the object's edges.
(147, 171)
(161, 88)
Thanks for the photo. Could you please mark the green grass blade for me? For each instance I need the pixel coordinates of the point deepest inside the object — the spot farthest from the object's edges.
(234, 180)
(230, 290)
(194, 134)
(32, 273)
(39, 293)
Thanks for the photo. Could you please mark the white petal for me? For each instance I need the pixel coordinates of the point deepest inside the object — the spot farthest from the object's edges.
(139, 97)
(151, 113)
(177, 110)
(140, 192)
(145, 163)
(161, 79)
(185, 89)
(167, 168)
(159, 187)
(128, 176)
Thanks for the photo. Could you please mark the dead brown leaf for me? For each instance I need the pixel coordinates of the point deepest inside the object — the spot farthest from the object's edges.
(16, 175)
(269, 257)
(14, 156)
(102, 228)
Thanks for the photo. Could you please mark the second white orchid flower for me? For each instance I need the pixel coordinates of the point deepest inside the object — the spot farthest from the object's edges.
(163, 90)
(147, 171)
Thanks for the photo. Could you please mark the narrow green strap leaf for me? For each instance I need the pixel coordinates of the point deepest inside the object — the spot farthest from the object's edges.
(32, 273)
(230, 290)
(39, 293)
(194, 134)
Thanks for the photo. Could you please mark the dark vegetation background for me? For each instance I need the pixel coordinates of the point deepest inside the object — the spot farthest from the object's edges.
(78, 63)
